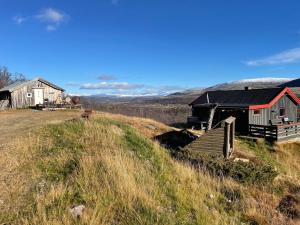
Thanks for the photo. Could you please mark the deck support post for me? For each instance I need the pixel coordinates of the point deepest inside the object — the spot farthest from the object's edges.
(211, 117)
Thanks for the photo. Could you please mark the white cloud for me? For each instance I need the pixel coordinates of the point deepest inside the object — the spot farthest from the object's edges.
(285, 57)
(111, 86)
(19, 19)
(53, 18)
(51, 15)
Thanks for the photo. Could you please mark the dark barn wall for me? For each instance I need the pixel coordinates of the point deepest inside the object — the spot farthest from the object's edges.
(5, 95)
(273, 113)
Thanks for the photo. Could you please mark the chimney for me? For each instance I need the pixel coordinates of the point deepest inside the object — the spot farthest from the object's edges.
(247, 88)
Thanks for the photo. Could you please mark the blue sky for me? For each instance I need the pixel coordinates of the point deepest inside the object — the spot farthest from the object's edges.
(143, 47)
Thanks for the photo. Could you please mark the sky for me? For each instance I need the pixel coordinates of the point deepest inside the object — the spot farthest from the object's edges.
(149, 47)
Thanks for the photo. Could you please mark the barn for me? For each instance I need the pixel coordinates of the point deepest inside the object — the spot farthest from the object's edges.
(30, 93)
(269, 112)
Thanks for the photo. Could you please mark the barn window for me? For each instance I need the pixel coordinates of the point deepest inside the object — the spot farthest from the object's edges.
(257, 112)
(282, 112)
(29, 95)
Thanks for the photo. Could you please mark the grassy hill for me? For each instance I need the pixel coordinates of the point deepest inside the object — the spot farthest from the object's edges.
(111, 166)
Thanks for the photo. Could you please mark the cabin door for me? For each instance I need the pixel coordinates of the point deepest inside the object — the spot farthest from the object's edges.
(38, 96)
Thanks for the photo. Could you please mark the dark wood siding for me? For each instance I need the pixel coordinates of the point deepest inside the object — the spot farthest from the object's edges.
(273, 113)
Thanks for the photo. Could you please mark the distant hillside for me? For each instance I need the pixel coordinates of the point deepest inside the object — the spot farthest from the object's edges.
(267, 82)
(292, 83)
(189, 95)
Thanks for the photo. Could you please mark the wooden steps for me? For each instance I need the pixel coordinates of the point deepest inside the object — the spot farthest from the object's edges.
(211, 142)
(218, 141)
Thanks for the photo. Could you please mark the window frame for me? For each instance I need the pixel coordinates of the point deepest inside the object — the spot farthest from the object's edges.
(256, 112)
(284, 112)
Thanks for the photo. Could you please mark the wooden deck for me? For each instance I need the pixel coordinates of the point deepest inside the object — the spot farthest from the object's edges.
(275, 132)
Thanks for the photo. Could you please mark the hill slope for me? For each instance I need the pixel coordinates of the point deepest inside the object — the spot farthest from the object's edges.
(112, 167)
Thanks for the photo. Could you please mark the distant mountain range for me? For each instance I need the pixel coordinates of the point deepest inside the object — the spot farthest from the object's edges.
(266, 82)
(188, 96)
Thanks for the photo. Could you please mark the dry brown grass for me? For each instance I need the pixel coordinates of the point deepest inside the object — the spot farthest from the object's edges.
(117, 184)
(120, 176)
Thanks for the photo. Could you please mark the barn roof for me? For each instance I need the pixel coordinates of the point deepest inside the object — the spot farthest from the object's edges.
(19, 84)
(253, 98)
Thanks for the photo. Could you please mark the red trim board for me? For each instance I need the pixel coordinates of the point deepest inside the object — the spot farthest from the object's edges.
(271, 103)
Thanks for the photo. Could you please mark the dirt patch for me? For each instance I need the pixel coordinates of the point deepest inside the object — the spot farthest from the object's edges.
(17, 123)
(176, 139)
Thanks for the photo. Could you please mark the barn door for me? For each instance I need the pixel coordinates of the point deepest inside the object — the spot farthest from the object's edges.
(38, 96)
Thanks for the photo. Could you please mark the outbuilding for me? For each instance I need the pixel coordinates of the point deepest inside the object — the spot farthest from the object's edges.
(30, 93)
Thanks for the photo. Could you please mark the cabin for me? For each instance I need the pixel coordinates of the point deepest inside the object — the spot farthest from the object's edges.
(30, 93)
(270, 113)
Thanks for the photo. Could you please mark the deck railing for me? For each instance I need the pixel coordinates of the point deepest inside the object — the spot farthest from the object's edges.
(275, 132)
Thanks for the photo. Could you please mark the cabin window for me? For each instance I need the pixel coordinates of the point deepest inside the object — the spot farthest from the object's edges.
(257, 112)
(282, 112)
(29, 95)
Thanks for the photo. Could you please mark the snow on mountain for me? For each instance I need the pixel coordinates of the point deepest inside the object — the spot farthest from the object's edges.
(264, 80)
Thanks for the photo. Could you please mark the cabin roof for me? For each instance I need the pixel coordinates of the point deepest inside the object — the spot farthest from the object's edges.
(19, 84)
(252, 99)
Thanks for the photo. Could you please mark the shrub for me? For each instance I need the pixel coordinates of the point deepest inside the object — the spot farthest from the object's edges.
(240, 171)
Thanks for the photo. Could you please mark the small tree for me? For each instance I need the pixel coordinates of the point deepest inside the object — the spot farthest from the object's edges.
(7, 78)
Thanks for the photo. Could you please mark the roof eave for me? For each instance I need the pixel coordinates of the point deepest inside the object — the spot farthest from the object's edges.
(50, 84)
(274, 100)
